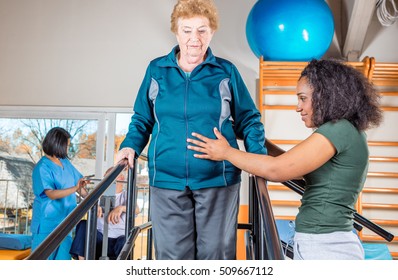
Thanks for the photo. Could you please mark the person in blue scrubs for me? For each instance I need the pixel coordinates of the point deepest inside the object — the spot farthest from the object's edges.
(55, 182)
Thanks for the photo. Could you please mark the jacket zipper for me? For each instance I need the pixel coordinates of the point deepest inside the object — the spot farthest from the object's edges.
(186, 129)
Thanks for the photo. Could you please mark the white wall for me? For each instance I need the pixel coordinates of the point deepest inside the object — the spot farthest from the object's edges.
(381, 42)
(94, 52)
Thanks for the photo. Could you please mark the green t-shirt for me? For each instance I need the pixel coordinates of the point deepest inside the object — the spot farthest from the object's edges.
(328, 203)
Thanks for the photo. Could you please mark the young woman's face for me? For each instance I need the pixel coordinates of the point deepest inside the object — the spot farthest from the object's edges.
(194, 36)
(304, 105)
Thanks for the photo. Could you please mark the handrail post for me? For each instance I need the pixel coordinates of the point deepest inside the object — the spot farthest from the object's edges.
(91, 233)
(250, 252)
(272, 248)
(254, 217)
(131, 201)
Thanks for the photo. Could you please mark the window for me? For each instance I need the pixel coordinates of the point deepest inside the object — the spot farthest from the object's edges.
(96, 137)
(20, 150)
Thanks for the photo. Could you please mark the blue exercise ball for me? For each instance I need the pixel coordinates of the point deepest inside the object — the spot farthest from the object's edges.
(290, 30)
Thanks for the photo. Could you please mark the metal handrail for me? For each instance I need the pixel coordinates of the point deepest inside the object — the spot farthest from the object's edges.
(132, 237)
(271, 247)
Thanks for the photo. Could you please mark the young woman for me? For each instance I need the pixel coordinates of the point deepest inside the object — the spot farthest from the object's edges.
(55, 182)
(339, 103)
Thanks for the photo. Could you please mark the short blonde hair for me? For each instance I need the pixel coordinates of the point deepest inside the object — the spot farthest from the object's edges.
(191, 8)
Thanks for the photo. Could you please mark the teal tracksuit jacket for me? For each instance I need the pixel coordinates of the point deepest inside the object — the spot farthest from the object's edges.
(170, 105)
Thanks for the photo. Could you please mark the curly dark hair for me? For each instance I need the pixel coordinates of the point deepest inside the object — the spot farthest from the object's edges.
(342, 92)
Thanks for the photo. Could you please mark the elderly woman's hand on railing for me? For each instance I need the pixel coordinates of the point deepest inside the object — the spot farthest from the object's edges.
(126, 153)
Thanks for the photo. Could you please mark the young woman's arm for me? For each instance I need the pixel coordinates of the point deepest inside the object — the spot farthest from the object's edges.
(307, 156)
(57, 194)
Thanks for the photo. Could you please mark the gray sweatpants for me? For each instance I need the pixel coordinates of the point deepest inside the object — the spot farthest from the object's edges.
(199, 224)
(340, 245)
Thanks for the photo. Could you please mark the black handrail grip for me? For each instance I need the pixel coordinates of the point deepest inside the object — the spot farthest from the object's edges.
(247, 226)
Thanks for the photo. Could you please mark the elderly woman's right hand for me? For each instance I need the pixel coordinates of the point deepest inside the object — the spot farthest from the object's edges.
(126, 153)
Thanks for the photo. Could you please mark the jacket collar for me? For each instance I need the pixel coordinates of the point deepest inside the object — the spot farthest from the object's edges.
(170, 60)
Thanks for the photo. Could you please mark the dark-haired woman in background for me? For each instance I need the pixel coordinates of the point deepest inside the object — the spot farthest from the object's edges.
(55, 181)
(339, 103)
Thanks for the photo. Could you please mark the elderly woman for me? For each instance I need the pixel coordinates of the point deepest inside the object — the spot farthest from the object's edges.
(339, 103)
(194, 203)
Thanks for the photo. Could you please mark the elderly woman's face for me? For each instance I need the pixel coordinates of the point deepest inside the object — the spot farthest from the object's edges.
(194, 36)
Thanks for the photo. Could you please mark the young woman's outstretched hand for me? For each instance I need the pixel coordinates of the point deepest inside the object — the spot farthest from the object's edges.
(210, 148)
